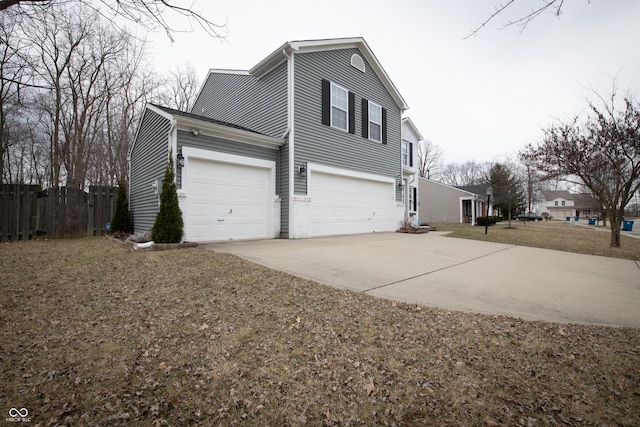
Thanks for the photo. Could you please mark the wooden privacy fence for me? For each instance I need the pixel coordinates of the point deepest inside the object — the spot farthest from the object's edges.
(27, 211)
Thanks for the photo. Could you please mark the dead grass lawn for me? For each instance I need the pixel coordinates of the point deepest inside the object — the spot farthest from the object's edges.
(558, 235)
(93, 334)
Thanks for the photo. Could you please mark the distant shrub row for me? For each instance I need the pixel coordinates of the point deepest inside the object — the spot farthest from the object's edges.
(482, 220)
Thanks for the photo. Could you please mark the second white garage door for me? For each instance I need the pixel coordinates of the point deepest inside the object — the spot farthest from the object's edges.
(349, 205)
(226, 201)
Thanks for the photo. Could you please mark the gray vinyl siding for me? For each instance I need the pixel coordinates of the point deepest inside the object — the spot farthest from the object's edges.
(315, 142)
(205, 142)
(439, 202)
(148, 162)
(257, 104)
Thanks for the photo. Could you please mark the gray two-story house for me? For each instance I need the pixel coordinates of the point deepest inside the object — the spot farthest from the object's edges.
(306, 143)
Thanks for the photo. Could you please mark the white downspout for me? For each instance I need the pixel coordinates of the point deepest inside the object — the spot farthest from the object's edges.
(173, 146)
(291, 138)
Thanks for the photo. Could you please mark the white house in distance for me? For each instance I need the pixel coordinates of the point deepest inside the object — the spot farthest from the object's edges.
(411, 137)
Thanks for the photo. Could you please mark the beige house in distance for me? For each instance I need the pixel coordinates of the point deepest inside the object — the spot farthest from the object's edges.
(563, 204)
(443, 203)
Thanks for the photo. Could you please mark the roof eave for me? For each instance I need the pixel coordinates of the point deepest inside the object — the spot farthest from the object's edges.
(192, 125)
(413, 128)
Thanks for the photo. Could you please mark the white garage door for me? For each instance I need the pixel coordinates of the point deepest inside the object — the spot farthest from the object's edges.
(226, 201)
(347, 205)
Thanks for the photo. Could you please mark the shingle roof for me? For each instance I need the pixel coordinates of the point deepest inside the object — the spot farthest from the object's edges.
(204, 119)
(580, 200)
(479, 189)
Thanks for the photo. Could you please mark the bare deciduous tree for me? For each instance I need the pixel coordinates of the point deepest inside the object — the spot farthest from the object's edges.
(179, 89)
(80, 106)
(151, 14)
(602, 150)
(467, 173)
(429, 155)
(554, 6)
(14, 73)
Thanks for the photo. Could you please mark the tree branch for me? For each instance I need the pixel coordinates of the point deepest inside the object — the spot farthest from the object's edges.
(523, 21)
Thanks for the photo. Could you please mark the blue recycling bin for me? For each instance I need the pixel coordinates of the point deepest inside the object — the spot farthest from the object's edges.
(577, 218)
(627, 225)
(568, 218)
(592, 221)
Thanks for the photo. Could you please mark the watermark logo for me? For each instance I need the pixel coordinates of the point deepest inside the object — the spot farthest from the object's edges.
(18, 415)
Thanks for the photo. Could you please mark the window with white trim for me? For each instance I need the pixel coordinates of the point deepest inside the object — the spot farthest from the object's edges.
(375, 122)
(339, 107)
(412, 199)
(405, 153)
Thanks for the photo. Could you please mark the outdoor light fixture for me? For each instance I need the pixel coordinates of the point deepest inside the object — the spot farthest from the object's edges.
(486, 223)
(180, 159)
(302, 169)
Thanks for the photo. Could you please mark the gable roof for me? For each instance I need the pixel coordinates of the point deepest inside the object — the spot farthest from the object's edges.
(480, 189)
(175, 112)
(557, 194)
(451, 187)
(281, 54)
(412, 127)
(580, 200)
(199, 124)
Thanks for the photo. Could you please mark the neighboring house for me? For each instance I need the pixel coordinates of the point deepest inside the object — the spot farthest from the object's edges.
(306, 143)
(563, 204)
(411, 137)
(444, 203)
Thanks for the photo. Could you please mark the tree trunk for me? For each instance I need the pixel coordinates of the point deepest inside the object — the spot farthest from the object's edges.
(616, 224)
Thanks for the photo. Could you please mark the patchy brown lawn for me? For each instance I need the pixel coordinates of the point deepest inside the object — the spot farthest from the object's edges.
(558, 235)
(94, 334)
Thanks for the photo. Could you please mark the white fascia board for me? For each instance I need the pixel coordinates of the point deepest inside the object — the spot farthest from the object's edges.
(155, 110)
(412, 127)
(276, 58)
(224, 71)
(159, 111)
(206, 128)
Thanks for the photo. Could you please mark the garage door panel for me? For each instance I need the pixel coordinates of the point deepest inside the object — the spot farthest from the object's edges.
(348, 205)
(226, 201)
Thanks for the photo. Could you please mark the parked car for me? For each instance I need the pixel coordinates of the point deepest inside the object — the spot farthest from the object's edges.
(529, 217)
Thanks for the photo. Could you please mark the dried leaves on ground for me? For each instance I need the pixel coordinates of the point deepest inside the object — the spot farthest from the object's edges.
(94, 334)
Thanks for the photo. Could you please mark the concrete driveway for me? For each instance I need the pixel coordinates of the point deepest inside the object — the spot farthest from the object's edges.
(457, 274)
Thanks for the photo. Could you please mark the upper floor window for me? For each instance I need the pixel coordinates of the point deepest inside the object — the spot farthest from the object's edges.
(339, 107)
(407, 153)
(556, 203)
(375, 122)
(563, 203)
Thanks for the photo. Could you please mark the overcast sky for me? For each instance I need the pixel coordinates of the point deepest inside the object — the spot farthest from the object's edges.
(483, 98)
